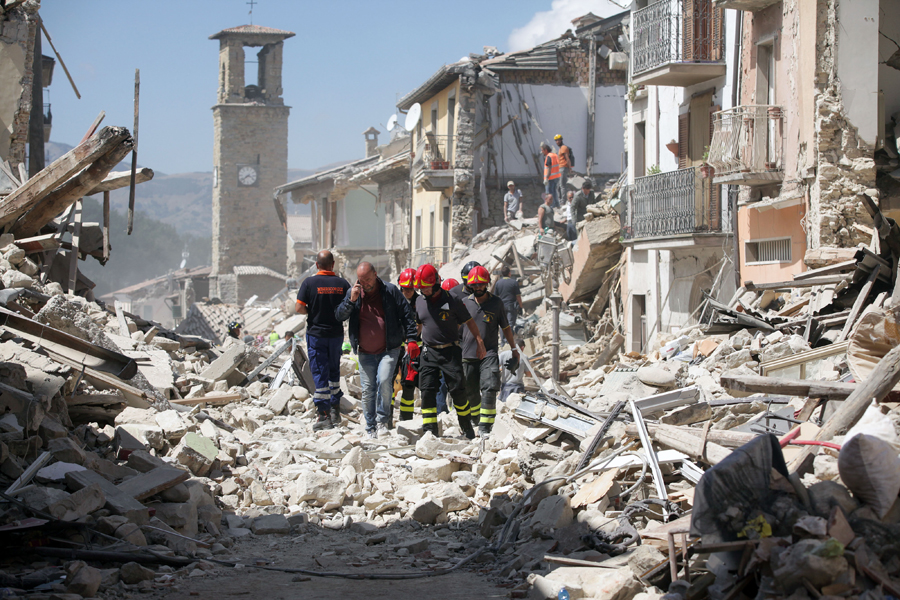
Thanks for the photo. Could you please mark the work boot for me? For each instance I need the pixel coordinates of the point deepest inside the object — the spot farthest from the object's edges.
(432, 427)
(323, 422)
(484, 430)
(466, 425)
(335, 413)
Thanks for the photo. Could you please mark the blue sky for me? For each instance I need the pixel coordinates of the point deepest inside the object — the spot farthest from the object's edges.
(343, 72)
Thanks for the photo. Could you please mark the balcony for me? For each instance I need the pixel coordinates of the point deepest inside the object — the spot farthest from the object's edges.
(678, 43)
(433, 255)
(432, 167)
(749, 5)
(675, 207)
(747, 145)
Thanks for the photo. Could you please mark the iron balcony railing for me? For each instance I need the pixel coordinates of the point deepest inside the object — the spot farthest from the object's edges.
(670, 31)
(433, 255)
(747, 139)
(675, 203)
(434, 153)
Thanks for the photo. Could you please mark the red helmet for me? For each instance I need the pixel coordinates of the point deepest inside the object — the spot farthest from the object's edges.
(408, 278)
(478, 275)
(426, 276)
(449, 284)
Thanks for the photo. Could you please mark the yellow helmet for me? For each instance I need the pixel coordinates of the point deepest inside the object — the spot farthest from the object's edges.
(557, 137)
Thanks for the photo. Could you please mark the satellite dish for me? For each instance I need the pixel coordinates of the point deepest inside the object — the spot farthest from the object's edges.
(412, 117)
(392, 123)
(184, 257)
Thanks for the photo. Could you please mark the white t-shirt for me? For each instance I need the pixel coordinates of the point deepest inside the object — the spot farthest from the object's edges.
(569, 216)
(512, 200)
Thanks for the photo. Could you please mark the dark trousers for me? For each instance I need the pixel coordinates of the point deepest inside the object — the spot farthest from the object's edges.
(325, 364)
(512, 316)
(434, 362)
(482, 384)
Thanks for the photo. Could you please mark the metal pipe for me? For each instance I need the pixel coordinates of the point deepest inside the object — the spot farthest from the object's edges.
(555, 300)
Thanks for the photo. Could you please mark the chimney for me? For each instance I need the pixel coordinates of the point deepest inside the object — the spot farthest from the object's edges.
(371, 135)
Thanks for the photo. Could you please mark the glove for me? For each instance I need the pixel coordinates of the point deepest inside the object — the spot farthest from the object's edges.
(412, 349)
(512, 364)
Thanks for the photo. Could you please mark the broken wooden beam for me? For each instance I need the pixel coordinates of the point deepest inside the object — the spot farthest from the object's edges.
(71, 191)
(48, 179)
(211, 400)
(797, 283)
(39, 243)
(119, 179)
(877, 385)
(830, 390)
(723, 437)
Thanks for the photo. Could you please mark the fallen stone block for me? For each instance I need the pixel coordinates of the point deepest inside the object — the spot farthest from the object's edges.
(83, 579)
(552, 513)
(80, 504)
(50, 429)
(56, 472)
(269, 524)
(117, 501)
(143, 461)
(358, 459)
(449, 496)
(411, 430)
(64, 449)
(41, 498)
(196, 452)
(180, 516)
(318, 487)
(153, 482)
(439, 469)
(132, 573)
(172, 424)
(430, 447)
(139, 437)
(225, 365)
(425, 512)
(278, 401)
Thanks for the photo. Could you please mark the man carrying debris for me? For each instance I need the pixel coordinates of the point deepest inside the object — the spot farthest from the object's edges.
(551, 173)
(380, 321)
(571, 232)
(512, 372)
(441, 315)
(409, 367)
(545, 214)
(581, 201)
(507, 289)
(511, 201)
(318, 298)
(566, 162)
(482, 373)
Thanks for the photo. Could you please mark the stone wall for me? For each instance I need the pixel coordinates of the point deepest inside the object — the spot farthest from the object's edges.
(574, 69)
(17, 30)
(464, 174)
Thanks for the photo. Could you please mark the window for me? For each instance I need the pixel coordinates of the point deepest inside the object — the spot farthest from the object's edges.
(418, 230)
(451, 121)
(640, 167)
(768, 251)
(434, 117)
(431, 228)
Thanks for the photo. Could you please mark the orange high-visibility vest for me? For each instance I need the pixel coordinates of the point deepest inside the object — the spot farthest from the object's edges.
(554, 167)
(564, 155)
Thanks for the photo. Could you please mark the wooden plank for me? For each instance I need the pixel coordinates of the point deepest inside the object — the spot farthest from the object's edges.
(577, 562)
(723, 437)
(858, 304)
(41, 185)
(877, 385)
(153, 482)
(119, 179)
(788, 285)
(211, 400)
(61, 61)
(39, 243)
(137, 100)
(847, 265)
(73, 253)
(792, 387)
(123, 324)
(71, 191)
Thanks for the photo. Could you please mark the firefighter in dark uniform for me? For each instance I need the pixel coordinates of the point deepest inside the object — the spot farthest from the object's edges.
(461, 290)
(482, 375)
(409, 366)
(441, 316)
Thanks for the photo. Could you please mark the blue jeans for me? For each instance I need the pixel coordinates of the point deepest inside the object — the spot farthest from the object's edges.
(442, 397)
(376, 377)
(325, 365)
(552, 188)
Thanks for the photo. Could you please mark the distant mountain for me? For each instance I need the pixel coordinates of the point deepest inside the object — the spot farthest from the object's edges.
(182, 200)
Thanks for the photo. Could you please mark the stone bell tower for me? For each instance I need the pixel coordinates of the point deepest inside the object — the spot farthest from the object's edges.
(250, 155)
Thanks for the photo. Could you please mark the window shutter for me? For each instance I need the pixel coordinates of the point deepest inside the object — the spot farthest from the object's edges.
(718, 33)
(683, 133)
(687, 21)
(715, 214)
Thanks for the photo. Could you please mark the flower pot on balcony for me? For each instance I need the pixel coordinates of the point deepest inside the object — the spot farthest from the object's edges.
(706, 171)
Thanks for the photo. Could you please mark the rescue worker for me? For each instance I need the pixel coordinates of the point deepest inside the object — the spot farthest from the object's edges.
(318, 299)
(482, 373)
(566, 162)
(409, 367)
(441, 316)
(545, 215)
(234, 329)
(507, 288)
(551, 173)
(459, 290)
(381, 321)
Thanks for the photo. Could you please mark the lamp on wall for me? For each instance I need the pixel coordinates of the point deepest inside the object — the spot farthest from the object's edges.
(673, 147)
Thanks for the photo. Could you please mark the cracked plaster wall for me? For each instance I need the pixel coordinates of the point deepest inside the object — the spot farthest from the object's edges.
(17, 30)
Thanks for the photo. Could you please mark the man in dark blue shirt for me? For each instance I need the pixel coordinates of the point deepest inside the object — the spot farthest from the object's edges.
(318, 299)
